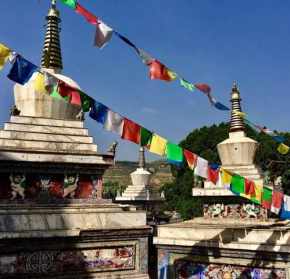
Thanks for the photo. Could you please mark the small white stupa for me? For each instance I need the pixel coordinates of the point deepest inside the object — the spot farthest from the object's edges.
(140, 190)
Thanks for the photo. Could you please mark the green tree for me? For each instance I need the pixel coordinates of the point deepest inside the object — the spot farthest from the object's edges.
(203, 141)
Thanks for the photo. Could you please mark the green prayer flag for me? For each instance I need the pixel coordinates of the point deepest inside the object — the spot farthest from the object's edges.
(238, 184)
(86, 101)
(56, 95)
(267, 197)
(146, 137)
(174, 152)
(189, 86)
(71, 3)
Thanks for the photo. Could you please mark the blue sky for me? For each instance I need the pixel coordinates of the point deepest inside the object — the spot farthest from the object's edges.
(209, 41)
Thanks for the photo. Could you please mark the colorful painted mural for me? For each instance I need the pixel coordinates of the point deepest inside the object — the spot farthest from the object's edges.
(89, 260)
(20, 186)
(187, 269)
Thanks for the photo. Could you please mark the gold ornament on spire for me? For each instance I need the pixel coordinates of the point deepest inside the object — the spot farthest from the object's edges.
(237, 122)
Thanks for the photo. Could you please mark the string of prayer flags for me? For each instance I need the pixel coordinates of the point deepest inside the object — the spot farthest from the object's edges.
(70, 3)
(4, 55)
(114, 122)
(131, 131)
(158, 145)
(174, 153)
(159, 71)
(277, 200)
(90, 18)
(187, 85)
(267, 197)
(285, 209)
(238, 184)
(191, 158)
(201, 167)
(145, 137)
(21, 70)
(283, 148)
(98, 112)
(127, 41)
(103, 34)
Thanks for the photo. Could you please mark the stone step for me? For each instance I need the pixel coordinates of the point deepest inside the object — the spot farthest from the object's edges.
(45, 129)
(50, 146)
(44, 137)
(46, 121)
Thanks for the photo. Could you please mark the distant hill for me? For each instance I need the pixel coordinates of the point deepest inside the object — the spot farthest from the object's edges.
(120, 172)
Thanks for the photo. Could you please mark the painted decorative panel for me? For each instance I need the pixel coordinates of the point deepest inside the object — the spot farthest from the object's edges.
(88, 260)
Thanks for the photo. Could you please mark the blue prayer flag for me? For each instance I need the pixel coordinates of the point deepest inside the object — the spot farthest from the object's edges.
(285, 209)
(279, 139)
(98, 112)
(220, 106)
(21, 70)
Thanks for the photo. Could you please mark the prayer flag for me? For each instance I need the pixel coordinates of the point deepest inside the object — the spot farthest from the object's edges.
(67, 91)
(71, 3)
(257, 198)
(49, 82)
(201, 167)
(220, 106)
(98, 112)
(4, 55)
(285, 209)
(103, 34)
(213, 174)
(158, 71)
(226, 178)
(191, 158)
(114, 122)
(238, 184)
(146, 58)
(127, 41)
(267, 197)
(158, 145)
(249, 187)
(277, 199)
(39, 84)
(171, 74)
(283, 148)
(187, 85)
(146, 137)
(87, 15)
(203, 87)
(86, 101)
(54, 93)
(131, 131)
(239, 113)
(21, 70)
(278, 138)
(174, 152)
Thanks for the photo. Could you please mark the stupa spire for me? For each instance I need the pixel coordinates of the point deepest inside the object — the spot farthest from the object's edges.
(141, 158)
(51, 52)
(236, 123)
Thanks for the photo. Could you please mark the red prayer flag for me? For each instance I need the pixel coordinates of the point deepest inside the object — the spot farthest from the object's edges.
(158, 71)
(131, 131)
(203, 87)
(67, 91)
(249, 187)
(212, 175)
(191, 158)
(88, 15)
(277, 199)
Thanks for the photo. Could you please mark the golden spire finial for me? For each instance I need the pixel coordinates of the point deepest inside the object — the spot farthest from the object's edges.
(51, 53)
(236, 123)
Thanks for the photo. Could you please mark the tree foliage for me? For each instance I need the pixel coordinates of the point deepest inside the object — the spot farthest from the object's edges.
(203, 141)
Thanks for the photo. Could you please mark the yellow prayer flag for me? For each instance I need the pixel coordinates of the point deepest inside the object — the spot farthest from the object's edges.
(258, 194)
(226, 178)
(171, 74)
(4, 54)
(158, 145)
(39, 85)
(283, 148)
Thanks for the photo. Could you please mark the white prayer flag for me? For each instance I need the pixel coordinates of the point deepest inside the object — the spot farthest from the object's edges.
(201, 167)
(103, 34)
(114, 122)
